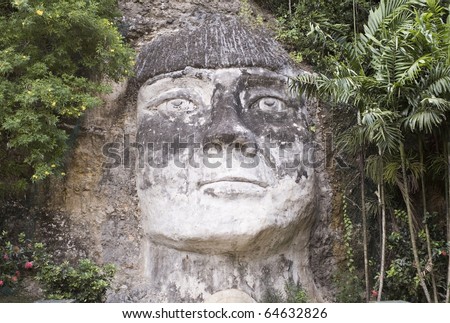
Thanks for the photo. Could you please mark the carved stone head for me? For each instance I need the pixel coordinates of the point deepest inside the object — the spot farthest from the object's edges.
(228, 151)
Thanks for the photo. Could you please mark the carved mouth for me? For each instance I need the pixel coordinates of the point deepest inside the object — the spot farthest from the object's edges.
(234, 179)
(234, 188)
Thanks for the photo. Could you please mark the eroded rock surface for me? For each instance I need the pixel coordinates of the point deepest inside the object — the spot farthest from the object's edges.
(182, 234)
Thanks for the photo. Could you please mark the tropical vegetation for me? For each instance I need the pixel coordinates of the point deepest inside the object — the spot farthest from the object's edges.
(380, 68)
(393, 80)
(22, 258)
(54, 59)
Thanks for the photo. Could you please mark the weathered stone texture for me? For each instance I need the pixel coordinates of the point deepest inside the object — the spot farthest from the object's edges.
(96, 211)
(217, 43)
(142, 20)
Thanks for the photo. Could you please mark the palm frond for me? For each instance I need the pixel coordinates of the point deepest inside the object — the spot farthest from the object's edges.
(382, 129)
(409, 72)
(437, 81)
(437, 165)
(429, 116)
(351, 141)
(392, 171)
(374, 167)
(389, 12)
(306, 84)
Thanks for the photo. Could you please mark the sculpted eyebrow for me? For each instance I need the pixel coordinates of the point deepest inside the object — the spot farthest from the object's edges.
(181, 93)
(176, 75)
(263, 81)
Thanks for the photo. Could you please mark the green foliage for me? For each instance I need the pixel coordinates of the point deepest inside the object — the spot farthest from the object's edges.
(402, 282)
(349, 288)
(348, 284)
(273, 6)
(295, 293)
(19, 258)
(394, 77)
(86, 282)
(296, 29)
(53, 57)
(245, 11)
(397, 70)
(22, 257)
(246, 14)
(348, 236)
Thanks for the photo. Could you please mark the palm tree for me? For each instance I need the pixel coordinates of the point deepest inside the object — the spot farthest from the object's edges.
(341, 90)
(359, 149)
(381, 130)
(399, 65)
(429, 75)
(425, 216)
(445, 164)
(447, 296)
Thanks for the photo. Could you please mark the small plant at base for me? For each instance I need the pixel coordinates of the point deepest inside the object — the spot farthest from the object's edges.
(401, 282)
(296, 57)
(18, 260)
(346, 280)
(295, 293)
(86, 283)
(348, 234)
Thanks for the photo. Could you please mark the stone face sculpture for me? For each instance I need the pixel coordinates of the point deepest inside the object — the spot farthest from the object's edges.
(227, 188)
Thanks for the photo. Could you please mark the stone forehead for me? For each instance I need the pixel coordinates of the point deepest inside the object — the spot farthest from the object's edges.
(219, 42)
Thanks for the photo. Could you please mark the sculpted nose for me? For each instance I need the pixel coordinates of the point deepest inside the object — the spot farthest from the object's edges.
(226, 127)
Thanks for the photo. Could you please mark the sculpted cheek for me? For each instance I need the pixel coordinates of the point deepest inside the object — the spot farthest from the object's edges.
(157, 129)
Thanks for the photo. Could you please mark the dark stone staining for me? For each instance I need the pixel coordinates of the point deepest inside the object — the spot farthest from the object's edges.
(186, 264)
(210, 46)
(285, 264)
(301, 172)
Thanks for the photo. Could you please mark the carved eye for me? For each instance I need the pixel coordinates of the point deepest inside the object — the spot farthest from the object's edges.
(181, 105)
(269, 104)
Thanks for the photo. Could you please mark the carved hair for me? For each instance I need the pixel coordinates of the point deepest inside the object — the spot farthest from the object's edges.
(219, 42)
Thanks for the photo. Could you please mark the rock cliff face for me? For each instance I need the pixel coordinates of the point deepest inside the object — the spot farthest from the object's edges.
(96, 210)
(143, 20)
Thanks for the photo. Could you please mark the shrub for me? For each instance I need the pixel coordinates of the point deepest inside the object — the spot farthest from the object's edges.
(295, 293)
(401, 281)
(334, 18)
(85, 283)
(18, 260)
(53, 58)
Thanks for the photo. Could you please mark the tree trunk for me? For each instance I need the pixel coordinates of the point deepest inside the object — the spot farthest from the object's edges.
(364, 224)
(427, 231)
(381, 200)
(447, 187)
(410, 224)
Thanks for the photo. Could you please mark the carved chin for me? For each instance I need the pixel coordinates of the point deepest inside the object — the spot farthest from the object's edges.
(264, 241)
(224, 218)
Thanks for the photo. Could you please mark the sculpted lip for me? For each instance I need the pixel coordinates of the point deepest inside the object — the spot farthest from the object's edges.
(234, 179)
